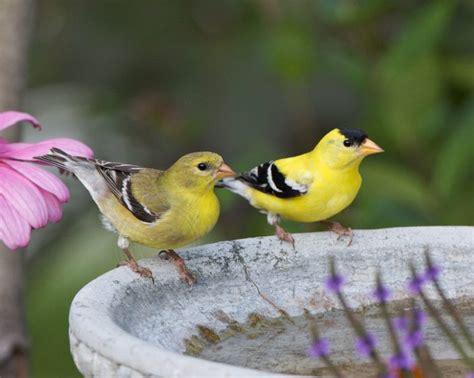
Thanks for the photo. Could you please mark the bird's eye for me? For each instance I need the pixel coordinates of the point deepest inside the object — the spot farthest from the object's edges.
(347, 143)
(202, 166)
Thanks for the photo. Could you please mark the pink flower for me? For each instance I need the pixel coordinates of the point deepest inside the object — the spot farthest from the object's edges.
(29, 196)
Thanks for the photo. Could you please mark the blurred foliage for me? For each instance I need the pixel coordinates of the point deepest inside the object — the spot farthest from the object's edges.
(253, 80)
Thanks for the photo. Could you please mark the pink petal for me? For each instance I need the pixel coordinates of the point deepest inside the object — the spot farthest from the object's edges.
(3, 144)
(14, 230)
(28, 151)
(55, 210)
(10, 118)
(41, 178)
(24, 196)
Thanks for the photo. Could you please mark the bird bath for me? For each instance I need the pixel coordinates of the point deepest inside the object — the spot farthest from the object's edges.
(228, 325)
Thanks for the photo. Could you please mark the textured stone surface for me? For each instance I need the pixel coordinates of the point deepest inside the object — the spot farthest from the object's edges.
(124, 325)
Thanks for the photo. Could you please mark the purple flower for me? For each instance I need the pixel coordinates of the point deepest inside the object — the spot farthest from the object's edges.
(320, 348)
(432, 273)
(400, 323)
(420, 318)
(413, 339)
(416, 283)
(382, 293)
(365, 345)
(413, 334)
(334, 283)
(401, 361)
(470, 375)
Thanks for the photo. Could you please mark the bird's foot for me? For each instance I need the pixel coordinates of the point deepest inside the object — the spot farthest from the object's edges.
(141, 270)
(178, 261)
(340, 230)
(283, 235)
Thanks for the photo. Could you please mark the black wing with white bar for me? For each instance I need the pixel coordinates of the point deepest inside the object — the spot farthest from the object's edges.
(119, 180)
(267, 178)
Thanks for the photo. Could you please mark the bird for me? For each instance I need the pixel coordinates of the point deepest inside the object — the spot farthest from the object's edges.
(311, 187)
(162, 209)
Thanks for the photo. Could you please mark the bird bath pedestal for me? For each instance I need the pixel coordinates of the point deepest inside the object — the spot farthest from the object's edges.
(229, 325)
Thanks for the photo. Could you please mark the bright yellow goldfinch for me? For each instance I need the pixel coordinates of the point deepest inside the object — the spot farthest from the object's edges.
(159, 209)
(311, 187)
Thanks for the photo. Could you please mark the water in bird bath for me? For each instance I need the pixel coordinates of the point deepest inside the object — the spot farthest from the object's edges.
(281, 345)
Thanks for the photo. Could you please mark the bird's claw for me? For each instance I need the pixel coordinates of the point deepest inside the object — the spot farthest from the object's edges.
(349, 233)
(187, 277)
(178, 261)
(141, 270)
(185, 274)
(284, 236)
(341, 231)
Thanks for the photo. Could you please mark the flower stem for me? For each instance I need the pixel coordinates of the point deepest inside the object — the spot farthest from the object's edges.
(444, 327)
(393, 334)
(449, 306)
(316, 338)
(357, 326)
(422, 352)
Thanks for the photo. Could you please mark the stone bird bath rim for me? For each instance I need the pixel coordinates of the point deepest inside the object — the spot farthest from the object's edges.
(126, 326)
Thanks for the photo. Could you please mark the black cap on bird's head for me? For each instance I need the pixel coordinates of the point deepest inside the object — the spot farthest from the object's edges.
(360, 140)
(341, 147)
(354, 136)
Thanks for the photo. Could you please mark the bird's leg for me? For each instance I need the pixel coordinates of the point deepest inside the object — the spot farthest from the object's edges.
(131, 262)
(339, 229)
(133, 265)
(178, 261)
(273, 220)
(283, 235)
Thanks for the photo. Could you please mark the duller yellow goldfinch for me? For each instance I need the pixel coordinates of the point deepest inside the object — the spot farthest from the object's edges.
(159, 209)
(311, 187)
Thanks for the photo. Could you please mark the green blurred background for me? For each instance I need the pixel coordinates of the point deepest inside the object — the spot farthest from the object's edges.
(147, 81)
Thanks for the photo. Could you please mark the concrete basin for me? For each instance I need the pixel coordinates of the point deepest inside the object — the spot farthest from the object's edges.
(125, 326)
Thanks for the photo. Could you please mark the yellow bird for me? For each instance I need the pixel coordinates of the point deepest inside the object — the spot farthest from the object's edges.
(311, 187)
(159, 209)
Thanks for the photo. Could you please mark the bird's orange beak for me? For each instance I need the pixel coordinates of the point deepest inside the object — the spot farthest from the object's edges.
(368, 147)
(224, 171)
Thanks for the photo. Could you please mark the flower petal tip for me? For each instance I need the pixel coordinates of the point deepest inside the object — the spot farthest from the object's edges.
(10, 118)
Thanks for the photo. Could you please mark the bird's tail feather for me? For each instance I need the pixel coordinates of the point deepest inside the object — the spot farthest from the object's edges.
(60, 159)
(220, 184)
(234, 185)
(225, 182)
